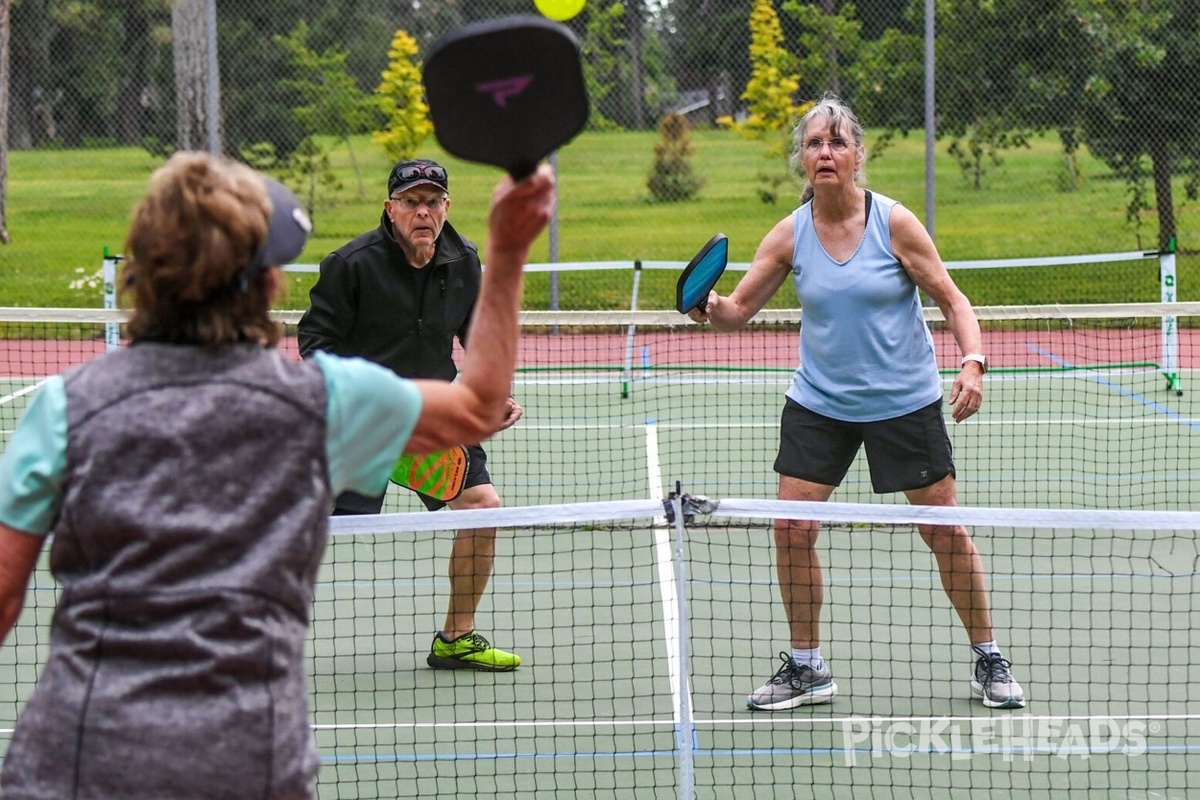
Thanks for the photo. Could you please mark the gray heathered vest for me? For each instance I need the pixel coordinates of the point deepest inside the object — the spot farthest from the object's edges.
(193, 520)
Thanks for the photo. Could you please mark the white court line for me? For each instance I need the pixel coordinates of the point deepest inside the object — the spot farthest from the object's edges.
(653, 464)
(8, 398)
(665, 566)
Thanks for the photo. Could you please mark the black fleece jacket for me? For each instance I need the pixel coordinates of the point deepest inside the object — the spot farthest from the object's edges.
(370, 302)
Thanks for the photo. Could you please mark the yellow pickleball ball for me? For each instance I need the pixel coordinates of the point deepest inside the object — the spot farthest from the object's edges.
(559, 10)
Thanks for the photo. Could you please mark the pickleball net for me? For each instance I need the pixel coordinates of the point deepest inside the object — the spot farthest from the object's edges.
(642, 632)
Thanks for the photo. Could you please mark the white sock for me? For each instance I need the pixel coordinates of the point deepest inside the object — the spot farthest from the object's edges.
(986, 647)
(805, 656)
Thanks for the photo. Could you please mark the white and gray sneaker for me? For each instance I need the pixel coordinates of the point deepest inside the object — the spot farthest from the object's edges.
(794, 685)
(993, 682)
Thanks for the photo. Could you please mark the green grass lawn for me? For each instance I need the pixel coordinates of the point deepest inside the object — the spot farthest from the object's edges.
(66, 207)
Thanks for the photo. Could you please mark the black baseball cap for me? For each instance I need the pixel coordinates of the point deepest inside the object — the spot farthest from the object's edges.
(416, 172)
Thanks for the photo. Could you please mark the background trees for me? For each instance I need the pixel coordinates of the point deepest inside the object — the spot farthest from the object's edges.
(1121, 77)
(1140, 100)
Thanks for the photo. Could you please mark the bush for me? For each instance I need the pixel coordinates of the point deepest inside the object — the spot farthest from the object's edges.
(671, 177)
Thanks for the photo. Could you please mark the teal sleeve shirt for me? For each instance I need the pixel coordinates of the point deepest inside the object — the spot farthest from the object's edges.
(32, 465)
(371, 413)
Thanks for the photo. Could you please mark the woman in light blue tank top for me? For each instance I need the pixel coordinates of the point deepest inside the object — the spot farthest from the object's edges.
(868, 378)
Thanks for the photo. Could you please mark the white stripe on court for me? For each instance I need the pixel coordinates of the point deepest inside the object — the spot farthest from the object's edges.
(667, 588)
(653, 465)
(8, 398)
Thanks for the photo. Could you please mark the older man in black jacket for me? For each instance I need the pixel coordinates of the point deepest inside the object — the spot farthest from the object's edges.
(398, 295)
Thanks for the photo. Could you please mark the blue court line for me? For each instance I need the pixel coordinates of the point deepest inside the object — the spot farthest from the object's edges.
(400, 758)
(1154, 405)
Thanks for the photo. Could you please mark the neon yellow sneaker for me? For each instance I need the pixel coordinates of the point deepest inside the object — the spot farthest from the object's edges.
(470, 651)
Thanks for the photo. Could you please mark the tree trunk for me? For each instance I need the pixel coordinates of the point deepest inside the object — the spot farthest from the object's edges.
(191, 56)
(29, 69)
(136, 45)
(636, 40)
(1160, 158)
(4, 60)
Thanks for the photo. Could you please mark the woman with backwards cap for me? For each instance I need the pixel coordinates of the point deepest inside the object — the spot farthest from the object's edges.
(187, 481)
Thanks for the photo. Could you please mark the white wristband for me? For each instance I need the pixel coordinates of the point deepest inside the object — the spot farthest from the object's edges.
(978, 358)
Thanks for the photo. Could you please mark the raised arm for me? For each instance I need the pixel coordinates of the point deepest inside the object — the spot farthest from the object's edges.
(771, 265)
(475, 407)
(919, 257)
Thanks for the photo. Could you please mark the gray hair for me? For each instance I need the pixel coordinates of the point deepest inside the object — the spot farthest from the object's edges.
(840, 118)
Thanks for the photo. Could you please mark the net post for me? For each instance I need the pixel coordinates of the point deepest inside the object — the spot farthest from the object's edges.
(685, 728)
(108, 270)
(627, 371)
(1170, 329)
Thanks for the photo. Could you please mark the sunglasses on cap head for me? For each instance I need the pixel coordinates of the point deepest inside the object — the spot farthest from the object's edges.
(414, 171)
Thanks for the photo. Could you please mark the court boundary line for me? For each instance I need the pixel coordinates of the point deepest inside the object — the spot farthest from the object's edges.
(668, 589)
(8, 398)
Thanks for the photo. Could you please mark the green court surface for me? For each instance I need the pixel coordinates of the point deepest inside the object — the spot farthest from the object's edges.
(616, 699)
(1097, 628)
(1088, 439)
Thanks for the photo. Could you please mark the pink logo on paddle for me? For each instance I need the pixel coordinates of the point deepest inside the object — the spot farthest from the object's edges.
(502, 89)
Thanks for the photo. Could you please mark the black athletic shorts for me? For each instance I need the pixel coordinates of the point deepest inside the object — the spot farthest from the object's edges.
(354, 503)
(908, 452)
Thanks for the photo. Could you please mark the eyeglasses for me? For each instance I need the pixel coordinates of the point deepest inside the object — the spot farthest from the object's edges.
(428, 171)
(413, 203)
(837, 144)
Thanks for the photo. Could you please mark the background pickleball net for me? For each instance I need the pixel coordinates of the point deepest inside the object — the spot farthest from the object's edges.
(610, 608)
(620, 405)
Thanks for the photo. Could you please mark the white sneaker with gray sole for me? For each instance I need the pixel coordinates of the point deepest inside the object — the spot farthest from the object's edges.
(794, 685)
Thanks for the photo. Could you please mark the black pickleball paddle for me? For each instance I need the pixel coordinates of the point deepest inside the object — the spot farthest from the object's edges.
(506, 91)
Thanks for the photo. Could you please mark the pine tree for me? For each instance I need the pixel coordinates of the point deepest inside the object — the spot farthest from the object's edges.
(770, 95)
(402, 98)
(773, 83)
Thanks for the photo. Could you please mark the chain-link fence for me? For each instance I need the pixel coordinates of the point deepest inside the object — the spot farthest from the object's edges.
(1117, 80)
